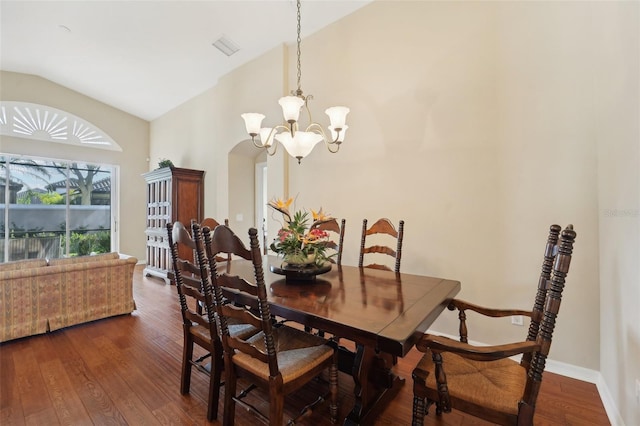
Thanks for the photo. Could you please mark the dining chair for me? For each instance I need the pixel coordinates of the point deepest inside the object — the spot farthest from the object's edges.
(382, 226)
(482, 380)
(199, 326)
(279, 359)
(211, 223)
(338, 229)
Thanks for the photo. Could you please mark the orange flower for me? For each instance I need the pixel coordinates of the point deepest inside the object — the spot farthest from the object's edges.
(319, 216)
(282, 207)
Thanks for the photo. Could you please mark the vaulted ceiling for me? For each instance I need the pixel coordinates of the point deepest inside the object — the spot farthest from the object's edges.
(147, 57)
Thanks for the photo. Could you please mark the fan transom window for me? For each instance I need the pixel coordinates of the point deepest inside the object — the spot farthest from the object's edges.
(44, 123)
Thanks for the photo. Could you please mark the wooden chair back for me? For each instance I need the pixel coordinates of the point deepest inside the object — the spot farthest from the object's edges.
(382, 226)
(199, 326)
(223, 240)
(549, 312)
(537, 312)
(212, 224)
(304, 356)
(337, 229)
(188, 280)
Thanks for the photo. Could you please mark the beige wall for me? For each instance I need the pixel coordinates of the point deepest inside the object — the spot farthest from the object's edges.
(241, 198)
(473, 123)
(131, 133)
(201, 134)
(479, 124)
(617, 130)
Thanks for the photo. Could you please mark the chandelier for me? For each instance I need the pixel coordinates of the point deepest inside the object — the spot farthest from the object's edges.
(298, 143)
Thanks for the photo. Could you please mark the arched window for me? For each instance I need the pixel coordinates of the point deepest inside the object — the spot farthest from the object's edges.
(52, 207)
(44, 123)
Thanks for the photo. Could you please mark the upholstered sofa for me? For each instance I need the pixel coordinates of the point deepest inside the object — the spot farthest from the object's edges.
(40, 295)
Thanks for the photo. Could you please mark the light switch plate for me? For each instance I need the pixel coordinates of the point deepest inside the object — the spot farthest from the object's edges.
(517, 320)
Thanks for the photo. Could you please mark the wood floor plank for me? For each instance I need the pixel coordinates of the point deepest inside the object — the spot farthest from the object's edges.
(97, 402)
(173, 414)
(43, 417)
(30, 383)
(10, 405)
(126, 400)
(126, 370)
(68, 407)
(134, 374)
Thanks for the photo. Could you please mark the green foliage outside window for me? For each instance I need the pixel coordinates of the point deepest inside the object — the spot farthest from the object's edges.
(46, 198)
(52, 198)
(82, 243)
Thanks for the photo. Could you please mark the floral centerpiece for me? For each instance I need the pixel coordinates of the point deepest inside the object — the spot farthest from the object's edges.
(299, 243)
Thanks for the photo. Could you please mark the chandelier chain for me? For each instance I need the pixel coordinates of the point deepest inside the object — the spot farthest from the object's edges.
(298, 52)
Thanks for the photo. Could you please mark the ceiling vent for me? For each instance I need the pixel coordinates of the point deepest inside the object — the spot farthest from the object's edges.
(226, 46)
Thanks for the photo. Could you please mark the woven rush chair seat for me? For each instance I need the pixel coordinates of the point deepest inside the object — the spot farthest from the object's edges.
(297, 352)
(496, 385)
(201, 334)
(236, 329)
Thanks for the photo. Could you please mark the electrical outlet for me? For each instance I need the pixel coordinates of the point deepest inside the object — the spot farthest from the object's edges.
(517, 320)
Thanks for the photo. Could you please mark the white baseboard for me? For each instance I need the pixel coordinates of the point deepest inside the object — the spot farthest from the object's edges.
(575, 372)
(609, 403)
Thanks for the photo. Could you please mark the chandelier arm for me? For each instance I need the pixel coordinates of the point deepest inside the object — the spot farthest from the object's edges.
(315, 127)
(336, 141)
(281, 127)
(255, 143)
(330, 144)
(269, 137)
(306, 106)
(275, 149)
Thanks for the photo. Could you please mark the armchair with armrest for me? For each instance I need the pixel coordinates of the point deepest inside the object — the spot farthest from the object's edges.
(482, 380)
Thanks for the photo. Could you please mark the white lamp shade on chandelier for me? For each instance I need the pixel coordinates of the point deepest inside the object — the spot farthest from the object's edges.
(337, 116)
(298, 143)
(252, 122)
(291, 106)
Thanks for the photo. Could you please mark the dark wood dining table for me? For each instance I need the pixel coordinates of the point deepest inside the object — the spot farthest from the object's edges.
(382, 312)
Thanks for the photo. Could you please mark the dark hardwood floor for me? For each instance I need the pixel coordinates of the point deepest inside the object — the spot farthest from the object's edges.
(126, 370)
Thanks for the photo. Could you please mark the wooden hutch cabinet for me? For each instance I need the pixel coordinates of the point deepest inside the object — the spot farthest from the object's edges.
(173, 194)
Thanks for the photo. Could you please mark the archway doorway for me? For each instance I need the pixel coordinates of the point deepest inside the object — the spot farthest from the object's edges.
(248, 190)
